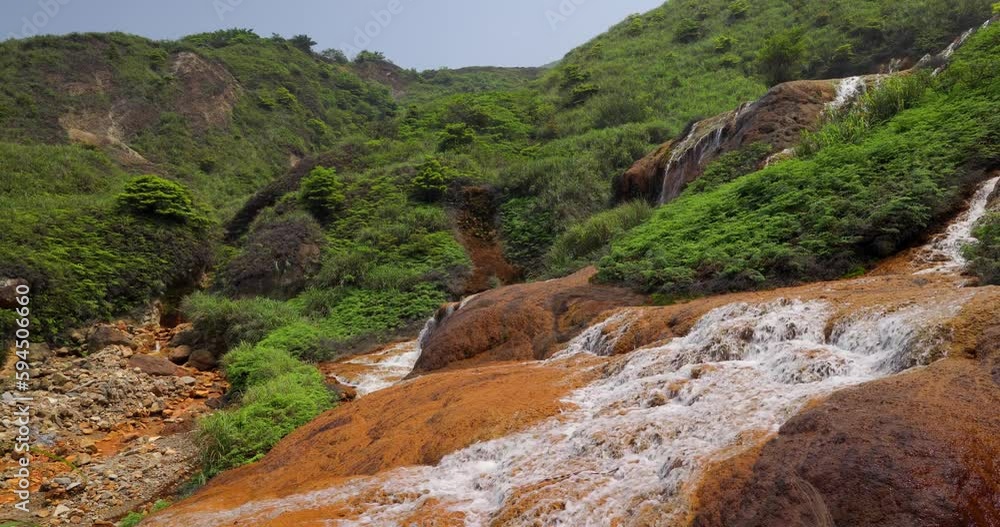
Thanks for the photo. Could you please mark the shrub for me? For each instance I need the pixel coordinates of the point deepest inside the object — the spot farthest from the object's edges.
(780, 58)
(302, 340)
(222, 323)
(527, 230)
(585, 243)
(157, 197)
(723, 43)
(455, 136)
(984, 254)
(738, 9)
(369, 56)
(269, 411)
(431, 181)
(689, 30)
(322, 192)
(730, 166)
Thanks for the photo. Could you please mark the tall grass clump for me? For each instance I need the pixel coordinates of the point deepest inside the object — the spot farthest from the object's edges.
(277, 394)
(586, 242)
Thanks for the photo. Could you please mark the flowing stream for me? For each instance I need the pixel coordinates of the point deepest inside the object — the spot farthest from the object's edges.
(635, 442)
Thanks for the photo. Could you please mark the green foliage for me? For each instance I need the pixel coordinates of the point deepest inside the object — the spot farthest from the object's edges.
(278, 395)
(780, 58)
(874, 107)
(131, 519)
(223, 323)
(730, 166)
(738, 9)
(455, 136)
(369, 56)
(85, 259)
(431, 181)
(984, 254)
(689, 30)
(528, 230)
(322, 192)
(587, 242)
(303, 42)
(830, 212)
(157, 197)
(723, 43)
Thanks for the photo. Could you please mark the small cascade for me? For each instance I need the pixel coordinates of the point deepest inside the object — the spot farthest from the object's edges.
(639, 438)
(701, 144)
(378, 371)
(944, 252)
(847, 91)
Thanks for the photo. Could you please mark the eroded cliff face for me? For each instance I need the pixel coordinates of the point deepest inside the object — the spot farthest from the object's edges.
(857, 402)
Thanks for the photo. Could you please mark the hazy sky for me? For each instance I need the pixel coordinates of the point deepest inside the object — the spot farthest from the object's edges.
(413, 33)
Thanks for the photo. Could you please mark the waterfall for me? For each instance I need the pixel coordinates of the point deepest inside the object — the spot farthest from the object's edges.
(945, 250)
(848, 90)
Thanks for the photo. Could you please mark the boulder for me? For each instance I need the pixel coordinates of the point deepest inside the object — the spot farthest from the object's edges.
(104, 335)
(179, 355)
(155, 366)
(519, 322)
(203, 360)
(8, 292)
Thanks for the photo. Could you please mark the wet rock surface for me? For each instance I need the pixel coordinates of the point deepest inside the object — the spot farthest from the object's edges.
(522, 322)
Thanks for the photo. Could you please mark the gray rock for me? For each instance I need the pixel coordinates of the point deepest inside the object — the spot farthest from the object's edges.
(187, 381)
(104, 336)
(8, 292)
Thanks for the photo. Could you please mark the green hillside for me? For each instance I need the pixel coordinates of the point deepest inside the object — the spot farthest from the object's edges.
(298, 206)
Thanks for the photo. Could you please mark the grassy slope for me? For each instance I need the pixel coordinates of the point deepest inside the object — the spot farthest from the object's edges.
(689, 58)
(871, 188)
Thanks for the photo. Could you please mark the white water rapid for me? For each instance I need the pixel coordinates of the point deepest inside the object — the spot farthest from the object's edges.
(944, 252)
(635, 442)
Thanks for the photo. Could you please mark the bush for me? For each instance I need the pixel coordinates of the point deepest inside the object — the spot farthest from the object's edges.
(157, 197)
(738, 9)
(689, 30)
(222, 323)
(984, 255)
(322, 192)
(527, 230)
(780, 58)
(730, 166)
(455, 136)
(269, 411)
(587, 242)
(278, 258)
(431, 181)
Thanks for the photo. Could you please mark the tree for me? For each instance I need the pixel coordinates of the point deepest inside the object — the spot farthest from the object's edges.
(322, 192)
(155, 196)
(303, 42)
(780, 58)
(334, 55)
(369, 56)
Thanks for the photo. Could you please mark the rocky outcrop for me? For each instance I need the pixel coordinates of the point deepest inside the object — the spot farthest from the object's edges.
(520, 322)
(777, 119)
(208, 91)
